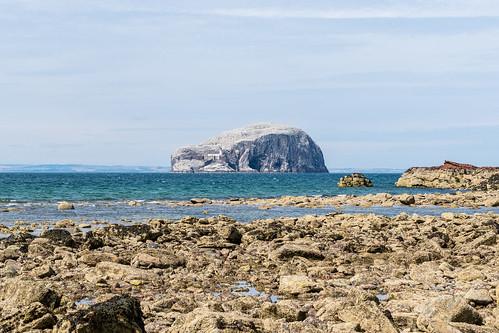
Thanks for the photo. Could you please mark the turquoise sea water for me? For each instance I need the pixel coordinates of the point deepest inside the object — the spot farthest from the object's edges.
(104, 197)
(35, 187)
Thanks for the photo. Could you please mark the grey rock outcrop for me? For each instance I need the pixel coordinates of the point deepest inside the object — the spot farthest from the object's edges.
(257, 148)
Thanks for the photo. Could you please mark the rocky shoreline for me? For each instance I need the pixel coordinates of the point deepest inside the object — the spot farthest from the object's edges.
(451, 175)
(333, 273)
(472, 199)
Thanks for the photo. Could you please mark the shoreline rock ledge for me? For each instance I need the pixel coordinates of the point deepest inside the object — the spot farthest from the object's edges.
(452, 175)
(256, 148)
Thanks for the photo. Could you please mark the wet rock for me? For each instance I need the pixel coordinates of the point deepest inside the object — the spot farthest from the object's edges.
(118, 314)
(64, 205)
(200, 201)
(407, 199)
(59, 237)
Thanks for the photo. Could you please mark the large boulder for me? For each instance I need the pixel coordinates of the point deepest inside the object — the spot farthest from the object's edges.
(118, 314)
(258, 148)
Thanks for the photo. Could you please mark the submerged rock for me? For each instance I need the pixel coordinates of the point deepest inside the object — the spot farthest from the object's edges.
(258, 148)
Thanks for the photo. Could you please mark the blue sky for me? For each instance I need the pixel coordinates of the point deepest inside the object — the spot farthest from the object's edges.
(375, 83)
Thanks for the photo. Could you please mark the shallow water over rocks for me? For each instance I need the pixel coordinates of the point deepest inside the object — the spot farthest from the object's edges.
(122, 212)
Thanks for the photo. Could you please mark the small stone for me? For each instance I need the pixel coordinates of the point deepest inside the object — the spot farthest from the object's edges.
(64, 205)
(64, 223)
(448, 216)
(407, 199)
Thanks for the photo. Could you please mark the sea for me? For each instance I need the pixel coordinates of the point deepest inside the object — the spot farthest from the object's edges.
(33, 197)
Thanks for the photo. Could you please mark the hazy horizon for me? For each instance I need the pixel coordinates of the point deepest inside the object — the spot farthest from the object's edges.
(376, 84)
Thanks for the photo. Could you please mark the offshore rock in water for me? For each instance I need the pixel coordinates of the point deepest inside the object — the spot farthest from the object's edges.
(257, 148)
(355, 180)
(451, 175)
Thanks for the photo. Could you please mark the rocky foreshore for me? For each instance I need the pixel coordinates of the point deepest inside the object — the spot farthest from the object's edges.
(470, 199)
(452, 175)
(334, 273)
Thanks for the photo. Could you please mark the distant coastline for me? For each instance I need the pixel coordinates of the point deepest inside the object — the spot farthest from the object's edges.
(80, 168)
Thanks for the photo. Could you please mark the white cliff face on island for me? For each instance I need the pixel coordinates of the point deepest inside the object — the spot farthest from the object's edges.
(257, 148)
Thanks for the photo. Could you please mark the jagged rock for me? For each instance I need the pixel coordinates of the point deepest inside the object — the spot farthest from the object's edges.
(22, 292)
(118, 314)
(369, 317)
(451, 175)
(43, 271)
(355, 180)
(442, 310)
(258, 148)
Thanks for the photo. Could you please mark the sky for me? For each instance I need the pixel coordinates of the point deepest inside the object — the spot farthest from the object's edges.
(375, 83)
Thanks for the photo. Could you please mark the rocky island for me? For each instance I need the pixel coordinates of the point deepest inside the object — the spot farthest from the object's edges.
(257, 148)
(451, 175)
(355, 180)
